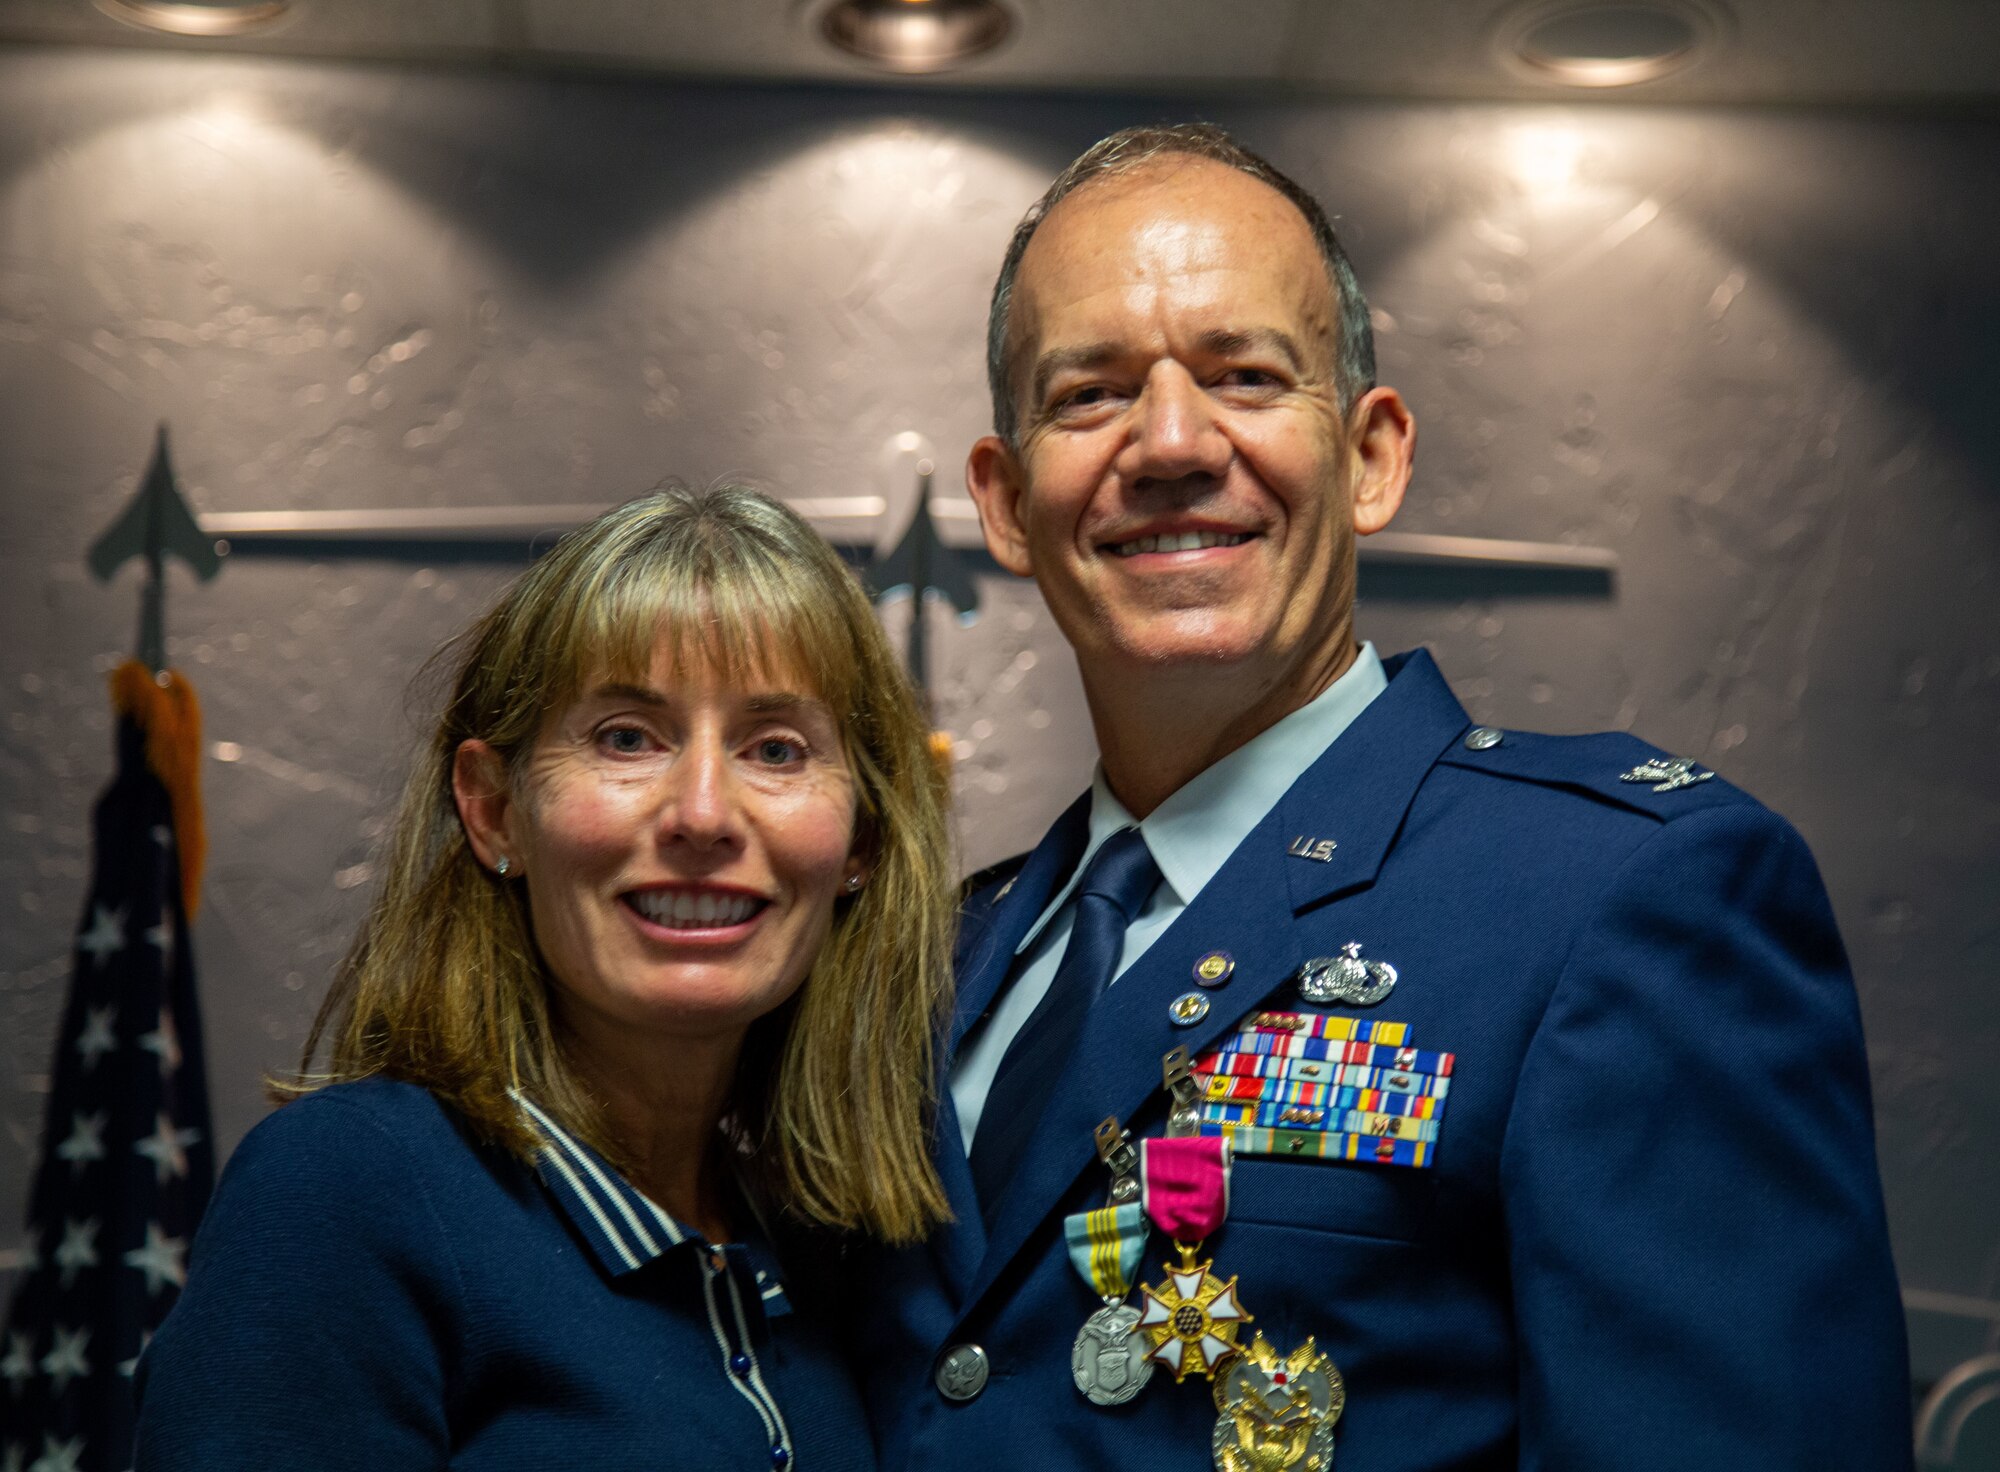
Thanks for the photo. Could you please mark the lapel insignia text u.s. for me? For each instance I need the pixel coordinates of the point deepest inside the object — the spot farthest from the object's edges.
(1318, 849)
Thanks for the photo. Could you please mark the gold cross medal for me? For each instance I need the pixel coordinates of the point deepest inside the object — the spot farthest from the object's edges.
(1275, 1413)
(1188, 1322)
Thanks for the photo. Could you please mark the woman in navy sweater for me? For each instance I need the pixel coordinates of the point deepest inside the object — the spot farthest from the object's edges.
(658, 963)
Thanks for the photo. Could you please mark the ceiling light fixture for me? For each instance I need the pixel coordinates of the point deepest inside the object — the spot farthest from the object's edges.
(1606, 43)
(914, 36)
(197, 17)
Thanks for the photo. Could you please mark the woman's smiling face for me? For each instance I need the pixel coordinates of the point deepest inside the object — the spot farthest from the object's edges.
(683, 842)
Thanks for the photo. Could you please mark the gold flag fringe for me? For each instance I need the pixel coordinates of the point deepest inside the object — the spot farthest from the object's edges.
(165, 709)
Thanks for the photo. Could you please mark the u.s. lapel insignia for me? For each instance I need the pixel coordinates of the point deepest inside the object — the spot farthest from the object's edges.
(1320, 850)
(1277, 1412)
(1325, 980)
(1666, 773)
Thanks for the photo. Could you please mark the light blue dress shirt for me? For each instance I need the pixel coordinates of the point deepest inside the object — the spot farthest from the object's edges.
(1190, 835)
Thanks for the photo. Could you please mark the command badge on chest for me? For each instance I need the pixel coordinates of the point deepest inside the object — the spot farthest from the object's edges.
(1277, 1412)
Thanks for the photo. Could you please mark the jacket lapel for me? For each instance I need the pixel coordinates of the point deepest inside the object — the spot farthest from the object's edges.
(1356, 794)
(985, 952)
(984, 957)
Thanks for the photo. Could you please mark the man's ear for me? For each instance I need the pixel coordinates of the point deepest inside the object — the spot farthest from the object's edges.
(1383, 450)
(994, 479)
(485, 803)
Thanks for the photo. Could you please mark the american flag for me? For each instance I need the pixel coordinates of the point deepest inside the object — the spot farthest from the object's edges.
(127, 1159)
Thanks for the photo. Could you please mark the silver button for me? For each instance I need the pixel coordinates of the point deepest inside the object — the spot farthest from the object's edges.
(1483, 738)
(961, 1372)
(1188, 1008)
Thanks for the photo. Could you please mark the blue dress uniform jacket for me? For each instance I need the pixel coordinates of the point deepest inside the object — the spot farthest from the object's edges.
(1653, 1234)
(373, 1288)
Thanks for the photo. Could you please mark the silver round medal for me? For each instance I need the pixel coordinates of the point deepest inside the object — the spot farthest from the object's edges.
(1109, 1365)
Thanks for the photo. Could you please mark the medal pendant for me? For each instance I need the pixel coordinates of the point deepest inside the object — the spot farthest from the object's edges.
(1109, 1362)
(1190, 1321)
(1277, 1411)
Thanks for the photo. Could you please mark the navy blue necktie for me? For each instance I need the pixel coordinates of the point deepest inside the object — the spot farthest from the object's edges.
(1115, 886)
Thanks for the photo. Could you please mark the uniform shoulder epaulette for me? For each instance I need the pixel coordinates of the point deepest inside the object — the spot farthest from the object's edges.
(1614, 766)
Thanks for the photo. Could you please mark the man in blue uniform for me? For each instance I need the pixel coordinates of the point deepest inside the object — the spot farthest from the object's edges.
(1539, 1056)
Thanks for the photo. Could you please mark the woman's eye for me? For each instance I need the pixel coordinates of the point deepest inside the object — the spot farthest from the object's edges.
(623, 740)
(779, 751)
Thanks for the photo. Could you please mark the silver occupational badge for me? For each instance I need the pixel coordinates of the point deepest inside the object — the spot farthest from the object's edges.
(1346, 978)
(1109, 1364)
(1666, 774)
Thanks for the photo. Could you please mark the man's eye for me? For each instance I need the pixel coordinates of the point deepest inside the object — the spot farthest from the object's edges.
(1088, 397)
(1252, 378)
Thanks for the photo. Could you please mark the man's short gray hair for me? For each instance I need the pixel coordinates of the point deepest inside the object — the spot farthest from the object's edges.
(1122, 153)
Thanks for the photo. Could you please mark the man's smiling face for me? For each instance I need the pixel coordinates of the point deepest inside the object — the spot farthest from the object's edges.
(1180, 490)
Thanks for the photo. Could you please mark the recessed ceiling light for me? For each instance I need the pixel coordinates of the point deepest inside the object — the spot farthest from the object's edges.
(916, 35)
(1606, 43)
(196, 17)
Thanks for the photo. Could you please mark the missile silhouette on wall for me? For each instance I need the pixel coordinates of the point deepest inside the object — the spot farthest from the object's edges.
(156, 524)
(923, 568)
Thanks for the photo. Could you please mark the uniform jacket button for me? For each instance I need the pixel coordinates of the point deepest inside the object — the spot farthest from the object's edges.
(1483, 738)
(961, 1372)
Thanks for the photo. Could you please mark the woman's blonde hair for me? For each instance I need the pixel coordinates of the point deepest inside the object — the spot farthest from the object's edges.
(833, 1102)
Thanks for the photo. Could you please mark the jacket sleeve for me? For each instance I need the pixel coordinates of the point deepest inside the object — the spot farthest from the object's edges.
(320, 1298)
(1694, 1217)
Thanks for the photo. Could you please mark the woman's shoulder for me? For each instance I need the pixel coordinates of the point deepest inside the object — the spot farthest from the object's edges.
(369, 1137)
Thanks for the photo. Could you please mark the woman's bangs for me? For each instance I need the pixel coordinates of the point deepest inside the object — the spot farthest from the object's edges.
(744, 620)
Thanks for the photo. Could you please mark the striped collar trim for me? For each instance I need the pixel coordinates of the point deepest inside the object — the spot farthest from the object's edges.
(626, 1230)
(624, 1227)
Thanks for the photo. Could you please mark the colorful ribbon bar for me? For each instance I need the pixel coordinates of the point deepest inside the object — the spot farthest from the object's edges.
(1105, 1246)
(1224, 1089)
(1325, 1025)
(1319, 1071)
(1184, 1184)
(1330, 1121)
(1321, 1145)
(1332, 1050)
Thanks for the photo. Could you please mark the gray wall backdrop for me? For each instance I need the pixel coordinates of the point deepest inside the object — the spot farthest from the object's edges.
(1750, 351)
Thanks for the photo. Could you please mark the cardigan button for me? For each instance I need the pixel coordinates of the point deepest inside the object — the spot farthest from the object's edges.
(961, 1372)
(739, 1363)
(780, 1458)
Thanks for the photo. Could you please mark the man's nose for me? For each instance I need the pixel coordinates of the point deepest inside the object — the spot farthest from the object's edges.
(1176, 433)
(702, 804)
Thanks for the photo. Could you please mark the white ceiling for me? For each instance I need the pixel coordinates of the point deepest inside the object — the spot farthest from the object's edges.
(1887, 51)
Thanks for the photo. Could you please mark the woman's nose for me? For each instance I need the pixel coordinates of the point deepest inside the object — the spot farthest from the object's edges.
(702, 806)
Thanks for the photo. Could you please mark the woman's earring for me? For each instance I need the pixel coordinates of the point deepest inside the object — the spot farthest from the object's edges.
(854, 884)
(501, 865)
